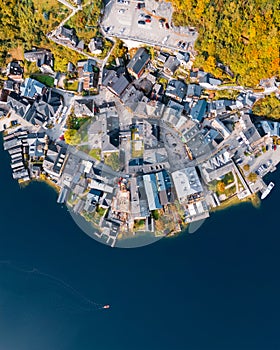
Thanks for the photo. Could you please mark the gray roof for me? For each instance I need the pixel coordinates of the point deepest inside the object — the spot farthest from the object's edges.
(117, 84)
(139, 60)
(68, 33)
(84, 107)
(19, 105)
(171, 64)
(176, 89)
(40, 56)
(194, 90)
(44, 109)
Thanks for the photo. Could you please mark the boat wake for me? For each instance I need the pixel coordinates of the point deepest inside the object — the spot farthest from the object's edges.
(81, 304)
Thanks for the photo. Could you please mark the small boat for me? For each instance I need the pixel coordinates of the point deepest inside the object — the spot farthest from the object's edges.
(106, 307)
(267, 191)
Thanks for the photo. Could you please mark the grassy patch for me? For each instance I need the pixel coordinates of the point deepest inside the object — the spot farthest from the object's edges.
(226, 94)
(135, 152)
(44, 79)
(119, 51)
(76, 123)
(72, 86)
(112, 160)
(100, 211)
(95, 153)
(139, 225)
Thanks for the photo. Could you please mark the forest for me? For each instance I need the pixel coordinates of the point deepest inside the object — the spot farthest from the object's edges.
(242, 34)
(268, 107)
(25, 23)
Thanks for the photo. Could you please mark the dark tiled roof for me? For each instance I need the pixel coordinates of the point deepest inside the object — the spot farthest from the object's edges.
(138, 62)
(18, 104)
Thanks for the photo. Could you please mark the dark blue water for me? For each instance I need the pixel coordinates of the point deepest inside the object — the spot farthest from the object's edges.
(216, 289)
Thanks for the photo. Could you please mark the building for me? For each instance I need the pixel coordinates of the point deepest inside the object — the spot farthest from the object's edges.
(197, 75)
(115, 83)
(89, 73)
(157, 92)
(151, 189)
(42, 57)
(137, 64)
(32, 88)
(176, 90)
(164, 187)
(84, 108)
(171, 65)
(270, 128)
(162, 57)
(15, 70)
(209, 81)
(46, 109)
(220, 126)
(194, 90)
(187, 184)
(183, 57)
(217, 166)
(96, 45)
(68, 35)
(139, 207)
(18, 104)
(36, 143)
(198, 111)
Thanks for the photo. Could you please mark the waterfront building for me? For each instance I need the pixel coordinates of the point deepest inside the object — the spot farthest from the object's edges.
(187, 184)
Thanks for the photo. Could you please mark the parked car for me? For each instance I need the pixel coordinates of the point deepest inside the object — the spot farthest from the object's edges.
(167, 25)
(141, 23)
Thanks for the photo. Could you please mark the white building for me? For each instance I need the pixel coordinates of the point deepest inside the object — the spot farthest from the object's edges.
(187, 183)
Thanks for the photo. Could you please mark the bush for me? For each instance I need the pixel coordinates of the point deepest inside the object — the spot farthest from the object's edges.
(155, 214)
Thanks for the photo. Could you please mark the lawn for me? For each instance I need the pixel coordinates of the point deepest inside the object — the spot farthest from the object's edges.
(95, 153)
(44, 79)
(112, 160)
(71, 86)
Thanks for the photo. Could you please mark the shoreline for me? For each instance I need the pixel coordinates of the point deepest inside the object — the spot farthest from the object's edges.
(234, 201)
(47, 181)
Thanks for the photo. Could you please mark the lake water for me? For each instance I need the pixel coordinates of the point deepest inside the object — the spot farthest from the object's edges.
(216, 289)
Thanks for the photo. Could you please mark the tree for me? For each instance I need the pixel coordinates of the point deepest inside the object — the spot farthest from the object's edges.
(268, 107)
(246, 167)
(243, 35)
(72, 137)
(221, 187)
(252, 177)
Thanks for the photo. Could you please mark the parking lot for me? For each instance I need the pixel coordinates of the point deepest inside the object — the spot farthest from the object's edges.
(151, 24)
